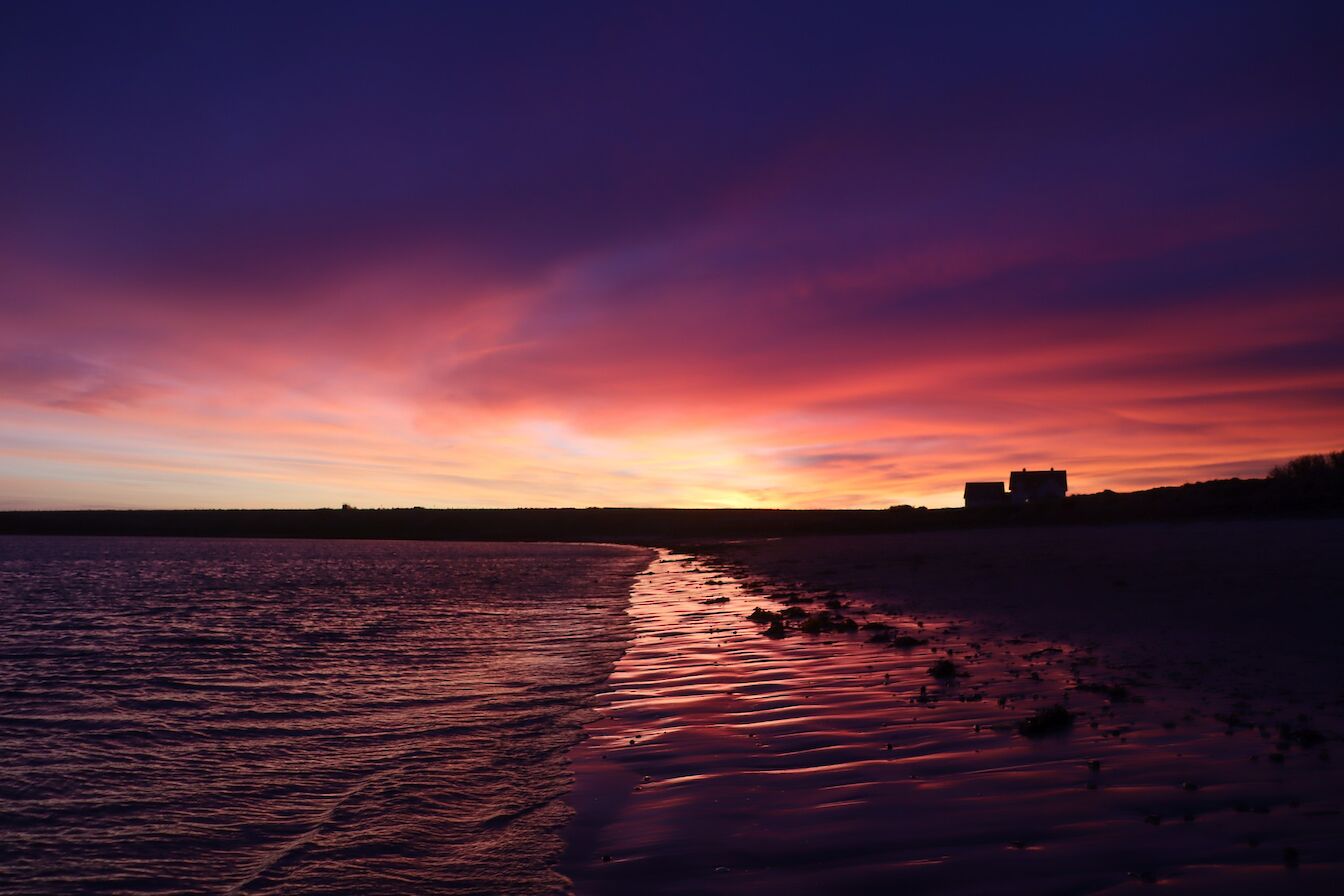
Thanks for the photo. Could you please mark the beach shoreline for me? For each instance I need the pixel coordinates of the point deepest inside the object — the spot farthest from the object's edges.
(1252, 607)
(727, 761)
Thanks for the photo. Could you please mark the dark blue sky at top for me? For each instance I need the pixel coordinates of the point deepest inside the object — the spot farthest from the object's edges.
(245, 142)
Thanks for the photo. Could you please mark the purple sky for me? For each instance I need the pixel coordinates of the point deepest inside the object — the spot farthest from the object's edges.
(720, 254)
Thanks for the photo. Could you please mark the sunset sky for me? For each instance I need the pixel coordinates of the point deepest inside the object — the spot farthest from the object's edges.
(721, 254)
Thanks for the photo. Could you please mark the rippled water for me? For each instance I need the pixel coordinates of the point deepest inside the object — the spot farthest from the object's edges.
(298, 717)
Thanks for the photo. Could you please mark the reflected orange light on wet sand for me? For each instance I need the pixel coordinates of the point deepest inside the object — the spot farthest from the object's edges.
(729, 762)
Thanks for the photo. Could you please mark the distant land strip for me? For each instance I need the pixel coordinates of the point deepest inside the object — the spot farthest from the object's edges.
(1229, 498)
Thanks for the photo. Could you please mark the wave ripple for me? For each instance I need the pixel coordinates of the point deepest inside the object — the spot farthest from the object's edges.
(296, 716)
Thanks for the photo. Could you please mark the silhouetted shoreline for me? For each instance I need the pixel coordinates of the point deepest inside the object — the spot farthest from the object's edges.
(1217, 499)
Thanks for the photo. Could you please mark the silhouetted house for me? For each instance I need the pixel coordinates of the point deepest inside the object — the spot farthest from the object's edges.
(1037, 486)
(985, 494)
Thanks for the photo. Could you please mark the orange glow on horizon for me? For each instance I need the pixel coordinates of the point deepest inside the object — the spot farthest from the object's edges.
(467, 408)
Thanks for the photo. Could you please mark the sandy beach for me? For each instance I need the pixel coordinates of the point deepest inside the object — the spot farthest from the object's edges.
(730, 761)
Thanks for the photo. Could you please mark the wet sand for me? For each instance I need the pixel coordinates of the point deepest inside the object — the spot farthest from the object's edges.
(1248, 611)
(726, 761)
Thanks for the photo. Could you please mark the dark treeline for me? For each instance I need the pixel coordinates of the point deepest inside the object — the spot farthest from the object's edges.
(1312, 485)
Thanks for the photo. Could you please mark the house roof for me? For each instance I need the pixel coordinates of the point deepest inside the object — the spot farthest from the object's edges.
(984, 488)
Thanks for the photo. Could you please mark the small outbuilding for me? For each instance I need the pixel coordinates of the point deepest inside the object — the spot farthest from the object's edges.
(985, 494)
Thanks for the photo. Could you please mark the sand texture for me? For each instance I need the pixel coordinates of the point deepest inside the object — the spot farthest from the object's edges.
(730, 761)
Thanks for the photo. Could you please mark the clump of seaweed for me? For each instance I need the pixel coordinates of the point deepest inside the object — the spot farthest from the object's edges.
(1304, 737)
(943, 669)
(1232, 721)
(1051, 720)
(1116, 693)
(715, 600)
(1044, 651)
(815, 624)
(823, 621)
(795, 617)
(908, 641)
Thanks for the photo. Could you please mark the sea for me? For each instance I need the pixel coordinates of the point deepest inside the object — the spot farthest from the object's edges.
(256, 716)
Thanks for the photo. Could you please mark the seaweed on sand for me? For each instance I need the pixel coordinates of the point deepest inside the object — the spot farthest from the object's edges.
(823, 621)
(944, 669)
(1051, 720)
(1301, 735)
(1116, 693)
